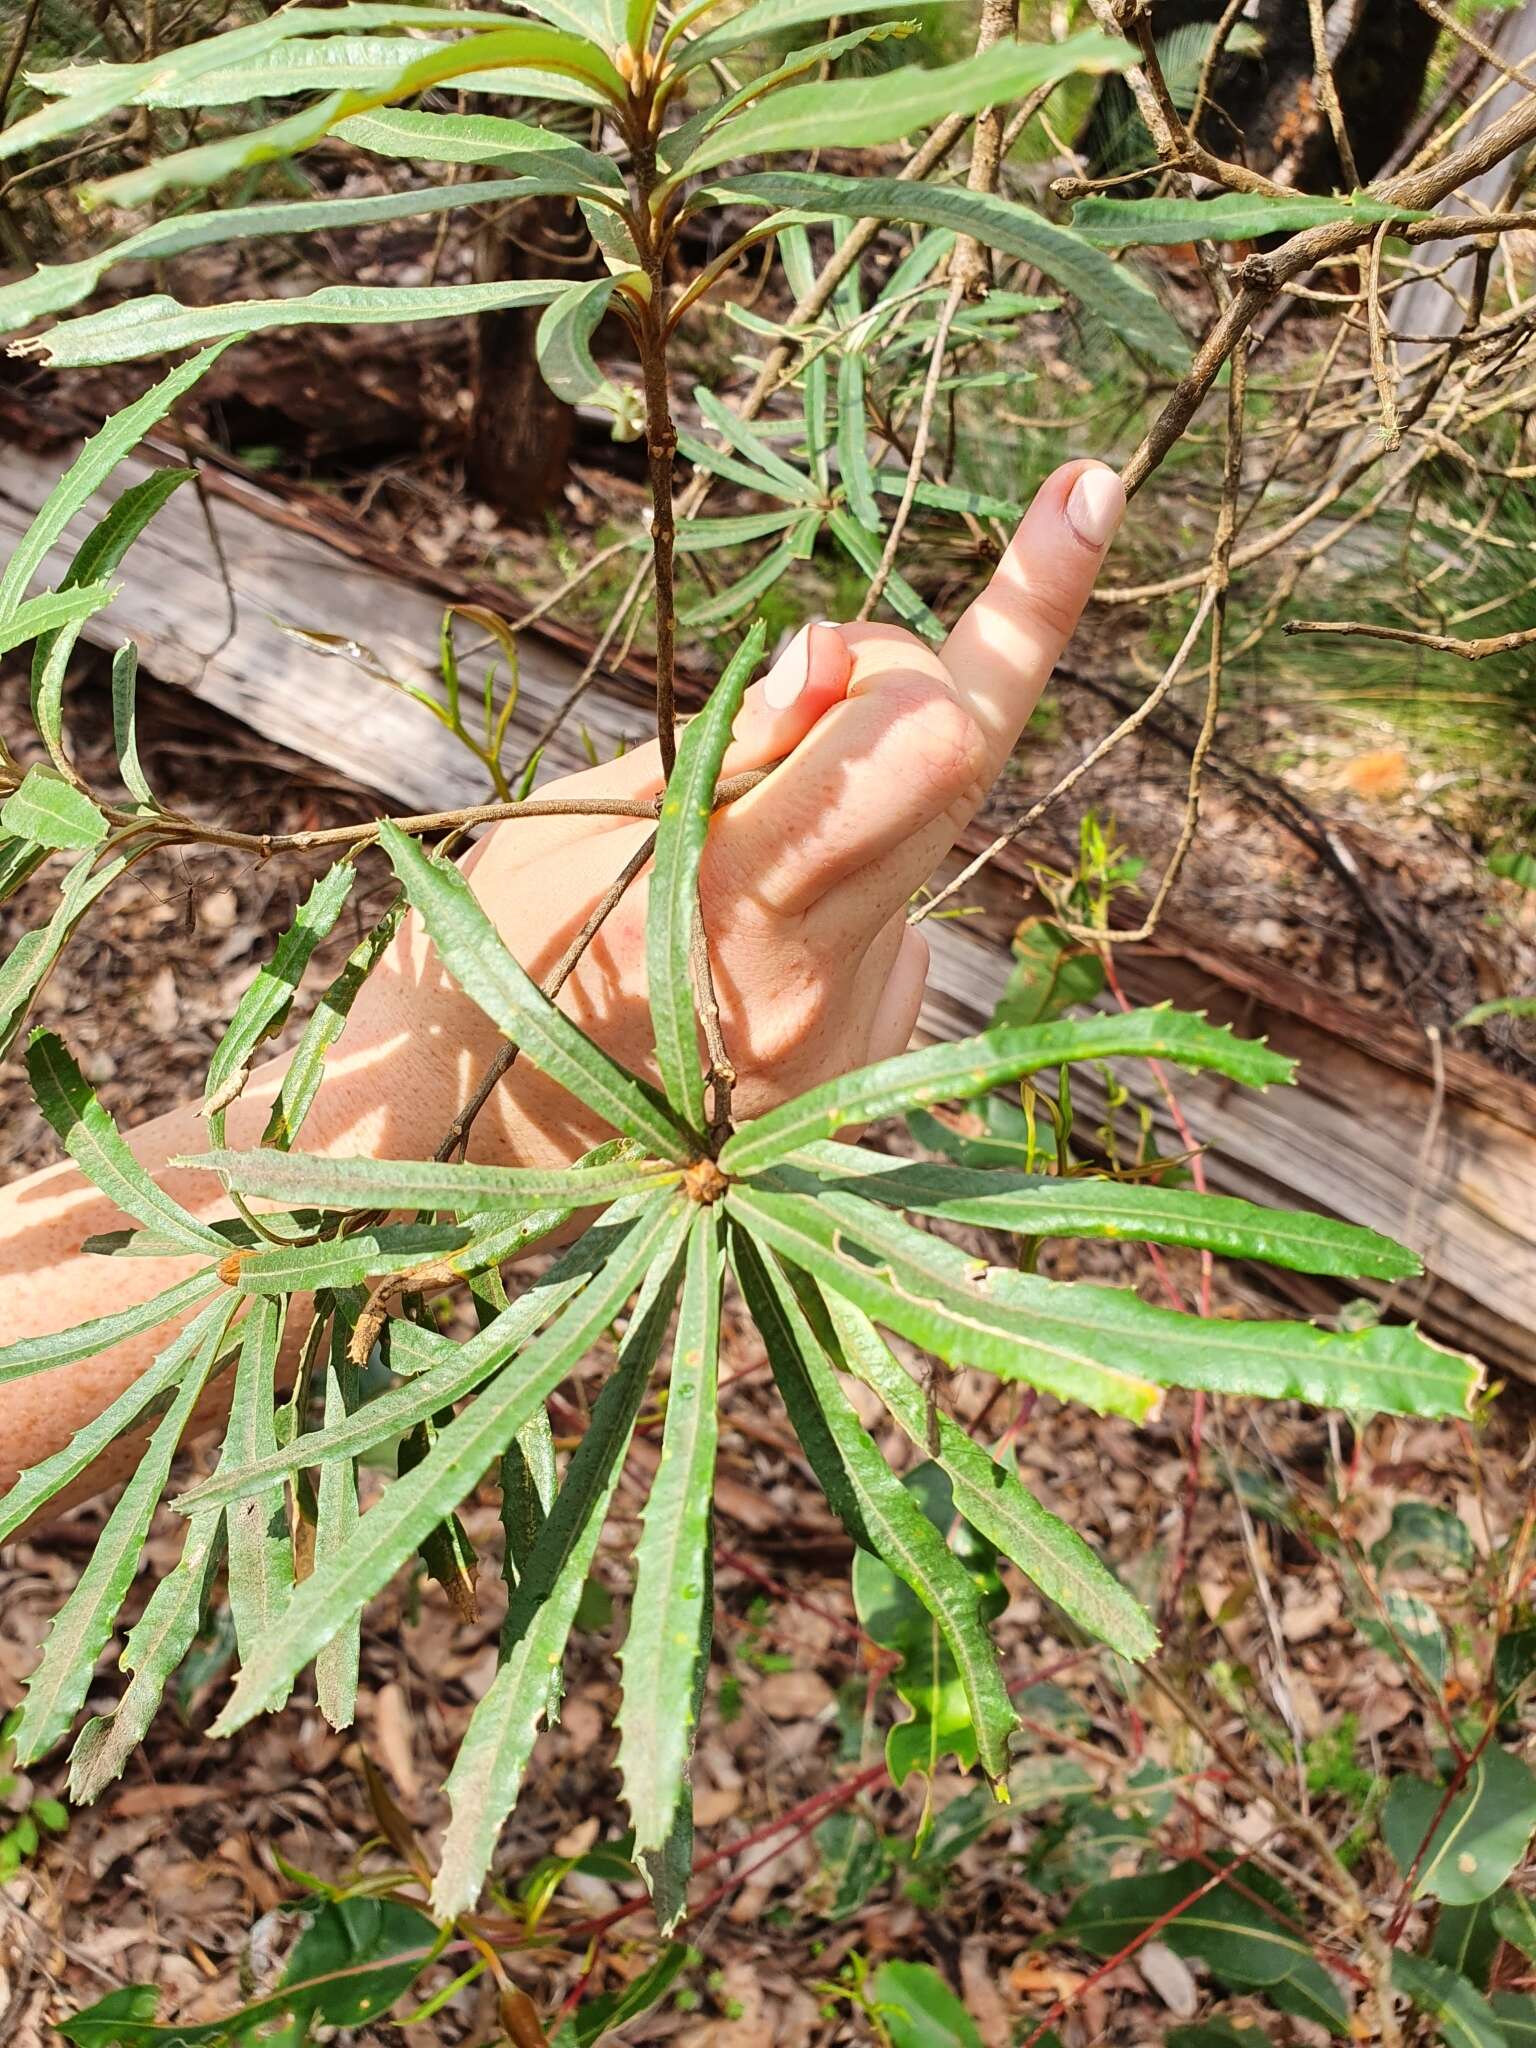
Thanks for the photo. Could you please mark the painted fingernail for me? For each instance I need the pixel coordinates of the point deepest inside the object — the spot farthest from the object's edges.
(1095, 506)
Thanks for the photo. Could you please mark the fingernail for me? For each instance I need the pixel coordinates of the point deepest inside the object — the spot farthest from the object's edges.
(785, 682)
(1095, 506)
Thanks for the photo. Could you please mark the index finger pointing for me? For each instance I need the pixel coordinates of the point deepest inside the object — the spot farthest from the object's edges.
(1004, 647)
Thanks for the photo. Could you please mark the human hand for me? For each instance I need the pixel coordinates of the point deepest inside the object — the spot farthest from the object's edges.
(884, 751)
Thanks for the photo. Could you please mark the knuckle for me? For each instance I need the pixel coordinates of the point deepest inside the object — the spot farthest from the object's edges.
(945, 746)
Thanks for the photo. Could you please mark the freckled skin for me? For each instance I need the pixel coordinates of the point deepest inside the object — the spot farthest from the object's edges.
(883, 757)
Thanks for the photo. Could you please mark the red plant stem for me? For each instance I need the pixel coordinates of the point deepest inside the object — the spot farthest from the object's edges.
(734, 1561)
(1064, 2005)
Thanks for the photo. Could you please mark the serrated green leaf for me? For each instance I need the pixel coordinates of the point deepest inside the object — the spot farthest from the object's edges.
(563, 346)
(474, 955)
(98, 555)
(96, 1146)
(47, 613)
(973, 1066)
(993, 1499)
(467, 1189)
(678, 142)
(669, 1629)
(392, 1529)
(487, 1773)
(89, 91)
(935, 1296)
(515, 146)
(847, 113)
(866, 1495)
(347, 1261)
(1463, 2017)
(1482, 1835)
(93, 465)
(263, 1010)
(62, 1676)
(1101, 286)
(306, 1065)
(260, 1553)
(1224, 217)
(20, 1360)
(338, 1659)
(52, 812)
(156, 1644)
(1048, 1205)
(152, 326)
(511, 57)
(441, 1374)
(681, 829)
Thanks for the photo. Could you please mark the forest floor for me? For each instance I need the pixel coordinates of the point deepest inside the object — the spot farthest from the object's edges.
(180, 1875)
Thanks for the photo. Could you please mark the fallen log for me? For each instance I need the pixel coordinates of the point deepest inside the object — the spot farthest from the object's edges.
(1386, 1127)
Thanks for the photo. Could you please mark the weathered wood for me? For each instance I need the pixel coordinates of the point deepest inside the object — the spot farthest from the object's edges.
(1439, 1150)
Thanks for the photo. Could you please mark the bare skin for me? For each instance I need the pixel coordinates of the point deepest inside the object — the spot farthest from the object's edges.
(885, 751)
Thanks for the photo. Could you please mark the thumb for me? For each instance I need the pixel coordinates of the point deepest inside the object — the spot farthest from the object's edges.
(1002, 651)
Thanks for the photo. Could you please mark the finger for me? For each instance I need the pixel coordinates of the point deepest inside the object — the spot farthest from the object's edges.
(1003, 649)
(896, 1012)
(897, 754)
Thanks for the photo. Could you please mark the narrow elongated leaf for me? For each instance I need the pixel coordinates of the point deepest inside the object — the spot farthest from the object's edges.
(441, 1373)
(99, 554)
(483, 1784)
(263, 1009)
(899, 594)
(972, 1066)
(742, 592)
(125, 675)
(156, 1644)
(994, 1501)
(1390, 1370)
(39, 1483)
(932, 1294)
(54, 286)
(52, 812)
(515, 146)
(93, 1141)
(848, 113)
(1462, 2016)
(474, 955)
(346, 1261)
(1069, 260)
(698, 536)
(853, 461)
(762, 22)
(669, 1629)
(64, 1347)
(748, 474)
(306, 1065)
(338, 1659)
(415, 1504)
(89, 91)
(1047, 1205)
(874, 1506)
(511, 57)
(680, 141)
(305, 1177)
(32, 958)
(54, 608)
(564, 348)
(92, 466)
(20, 860)
(749, 441)
(1225, 217)
(674, 897)
(260, 1554)
(153, 326)
(82, 1625)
